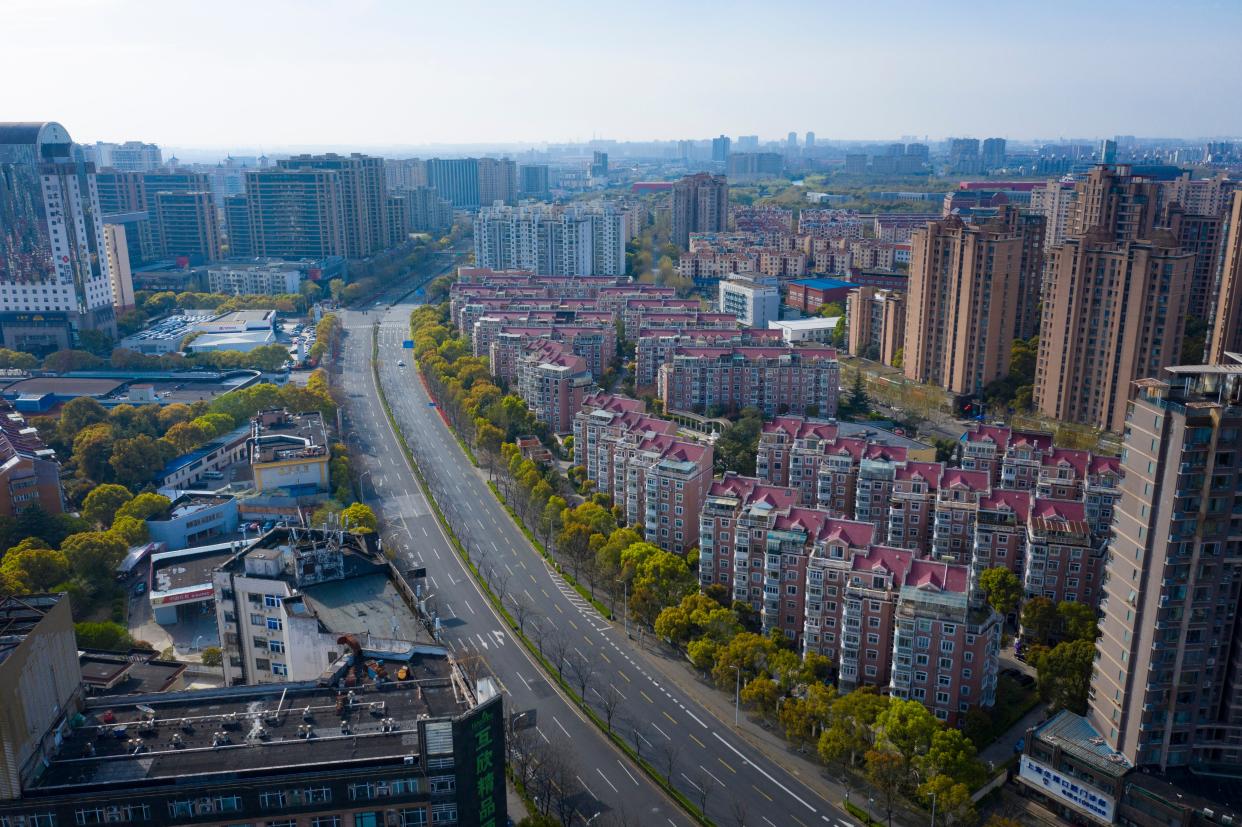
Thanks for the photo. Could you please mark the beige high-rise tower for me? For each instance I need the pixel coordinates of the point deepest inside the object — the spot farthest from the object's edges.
(1164, 687)
(1227, 320)
(1114, 302)
(700, 205)
(962, 304)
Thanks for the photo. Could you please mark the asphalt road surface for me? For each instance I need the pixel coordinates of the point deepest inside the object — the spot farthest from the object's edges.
(709, 763)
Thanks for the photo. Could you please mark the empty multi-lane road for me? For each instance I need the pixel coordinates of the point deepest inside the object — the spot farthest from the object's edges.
(705, 760)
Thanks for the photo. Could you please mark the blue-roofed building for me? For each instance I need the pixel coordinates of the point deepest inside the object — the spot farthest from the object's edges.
(199, 467)
(808, 294)
(1069, 768)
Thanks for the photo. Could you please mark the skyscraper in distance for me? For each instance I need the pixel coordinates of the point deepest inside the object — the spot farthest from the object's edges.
(963, 303)
(55, 281)
(1114, 301)
(700, 205)
(810, 140)
(791, 140)
(190, 226)
(720, 149)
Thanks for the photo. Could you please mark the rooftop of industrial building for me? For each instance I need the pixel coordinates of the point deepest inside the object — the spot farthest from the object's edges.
(365, 606)
(255, 730)
(118, 388)
(188, 568)
(188, 504)
(281, 435)
(19, 615)
(132, 673)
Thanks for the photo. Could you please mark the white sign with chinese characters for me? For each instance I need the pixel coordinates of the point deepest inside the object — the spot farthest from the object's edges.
(1068, 790)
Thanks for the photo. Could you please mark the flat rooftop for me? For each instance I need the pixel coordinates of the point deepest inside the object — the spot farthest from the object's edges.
(128, 674)
(174, 570)
(174, 734)
(285, 436)
(188, 504)
(19, 615)
(362, 605)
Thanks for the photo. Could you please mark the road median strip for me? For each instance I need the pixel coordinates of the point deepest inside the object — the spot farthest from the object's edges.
(498, 604)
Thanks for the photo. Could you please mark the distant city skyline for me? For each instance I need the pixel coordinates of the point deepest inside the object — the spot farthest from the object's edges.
(374, 73)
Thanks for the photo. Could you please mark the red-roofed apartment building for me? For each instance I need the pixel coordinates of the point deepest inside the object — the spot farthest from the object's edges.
(945, 651)
(29, 472)
(661, 482)
(776, 380)
(757, 542)
(553, 381)
(1062, 561)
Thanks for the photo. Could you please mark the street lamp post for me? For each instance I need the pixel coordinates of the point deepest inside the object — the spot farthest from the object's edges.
(933, 814)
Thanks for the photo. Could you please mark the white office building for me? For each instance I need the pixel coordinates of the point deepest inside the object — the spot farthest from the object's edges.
(755, 301)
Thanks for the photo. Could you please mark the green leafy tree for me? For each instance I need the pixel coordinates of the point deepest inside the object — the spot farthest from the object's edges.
(106, 635)
(736, 446)
(953, 803)
(1078, 621)
(1039, 619)
(858, 404)
(952, 754)
(100, 506)
(762, 693)
(93, 448)
(1064, 674)
(360, 519)
(16, 360)
(1002, 588)
(136, 461)
(144, 506)
(212, 656)
(94, 555)
(31, 566)
(907, 727)
(131, 529)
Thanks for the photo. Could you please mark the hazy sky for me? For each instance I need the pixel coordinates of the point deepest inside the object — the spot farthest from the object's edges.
(223, 73)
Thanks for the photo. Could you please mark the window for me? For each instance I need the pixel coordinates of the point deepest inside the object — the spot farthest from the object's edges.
(316, 795)
(275, 624)
(256, 620)
(272, 800)
(444, 814)
(942, 697)
(326, 821)
(279, 669)
(373, 819)
(272, 601)
(276, 646)
(263, 664)
(443, 784)
(413, 818)
(946, 646)
(260, 642)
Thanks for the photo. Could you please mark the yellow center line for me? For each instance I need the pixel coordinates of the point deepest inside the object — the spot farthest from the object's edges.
(726, 765)
(605, 657)
(545, 592)
(644, 694)
(697, 741)
(800, 821)
(670, 717)
(570, 622)
(622, 674)
(558, 608)
(761, 792)
(532, 579)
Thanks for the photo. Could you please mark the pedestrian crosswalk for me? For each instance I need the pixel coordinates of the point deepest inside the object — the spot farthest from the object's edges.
(584, 606)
